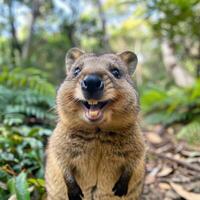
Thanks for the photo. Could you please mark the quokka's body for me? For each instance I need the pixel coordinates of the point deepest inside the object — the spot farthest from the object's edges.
(96, 151)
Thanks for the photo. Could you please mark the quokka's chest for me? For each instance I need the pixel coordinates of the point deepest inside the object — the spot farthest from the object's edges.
(92, 150)
(96, 160)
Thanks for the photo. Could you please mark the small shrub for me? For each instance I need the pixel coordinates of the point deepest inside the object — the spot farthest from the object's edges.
(169, 106)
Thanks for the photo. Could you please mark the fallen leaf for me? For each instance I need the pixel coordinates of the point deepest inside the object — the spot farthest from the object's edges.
(154, 138)
(177, 156)
(165, 172)
(164, 186)
(185, 194)
(150, 178)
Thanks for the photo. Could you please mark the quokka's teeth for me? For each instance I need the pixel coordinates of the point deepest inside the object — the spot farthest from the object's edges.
(93, 113)
(93, 102)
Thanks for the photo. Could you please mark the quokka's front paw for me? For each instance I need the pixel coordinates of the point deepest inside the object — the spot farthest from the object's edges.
(75, 193)
(121, 188)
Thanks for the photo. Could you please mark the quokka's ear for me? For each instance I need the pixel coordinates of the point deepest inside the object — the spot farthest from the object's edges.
(130, 59)
(72, 55)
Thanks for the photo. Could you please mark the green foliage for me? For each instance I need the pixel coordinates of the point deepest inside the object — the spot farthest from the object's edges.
(26, 96)
(185, 17)
(28, 77)
(21, 187)
(22, 149)
(171, 20)
(190, 132)
(50, 56)
(26, 102)
(173, 105)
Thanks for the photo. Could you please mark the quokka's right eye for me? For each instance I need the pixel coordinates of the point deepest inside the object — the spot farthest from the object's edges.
(116, 73)
(77, 70)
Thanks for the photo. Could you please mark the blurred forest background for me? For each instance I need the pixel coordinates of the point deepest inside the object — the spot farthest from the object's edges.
(34, 38)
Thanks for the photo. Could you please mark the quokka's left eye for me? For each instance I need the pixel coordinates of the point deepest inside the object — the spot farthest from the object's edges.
(77, 70)
(116, 73)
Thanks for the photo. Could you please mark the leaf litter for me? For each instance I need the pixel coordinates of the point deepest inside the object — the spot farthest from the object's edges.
(172, 168)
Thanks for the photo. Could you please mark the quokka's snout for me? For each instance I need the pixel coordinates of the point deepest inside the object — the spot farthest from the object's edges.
(92, 86)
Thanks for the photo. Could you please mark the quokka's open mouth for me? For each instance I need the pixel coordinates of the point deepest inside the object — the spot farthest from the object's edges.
(94, 109)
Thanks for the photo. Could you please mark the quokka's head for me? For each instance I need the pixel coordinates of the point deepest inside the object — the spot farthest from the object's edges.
(98, 90)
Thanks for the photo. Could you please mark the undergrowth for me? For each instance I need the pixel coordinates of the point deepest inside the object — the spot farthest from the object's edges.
(174, 105)
(26, 120)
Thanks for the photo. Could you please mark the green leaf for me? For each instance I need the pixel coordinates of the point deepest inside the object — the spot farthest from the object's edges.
(21, 187)
(11, 185)
(38, 182)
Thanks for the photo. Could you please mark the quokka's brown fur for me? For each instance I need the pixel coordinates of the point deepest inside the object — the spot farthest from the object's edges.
(103, 160)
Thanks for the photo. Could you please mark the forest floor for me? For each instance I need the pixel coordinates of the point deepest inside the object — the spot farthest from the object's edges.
(172, 169)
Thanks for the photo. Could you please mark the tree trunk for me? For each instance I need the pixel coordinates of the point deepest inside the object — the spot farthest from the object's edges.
(34, 14)
(105, 38)
(69, 30)
(180, 76)
(198, 64)
(14, 41)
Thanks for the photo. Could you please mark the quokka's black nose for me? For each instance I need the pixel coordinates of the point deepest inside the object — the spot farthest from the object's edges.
(92, 86)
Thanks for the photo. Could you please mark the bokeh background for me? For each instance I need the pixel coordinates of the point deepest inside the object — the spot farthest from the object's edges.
(34, 38)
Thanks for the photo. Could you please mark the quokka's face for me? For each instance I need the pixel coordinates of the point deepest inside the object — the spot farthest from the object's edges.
(98, 89)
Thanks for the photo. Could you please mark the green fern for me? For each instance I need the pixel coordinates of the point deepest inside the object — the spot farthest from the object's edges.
(25, 96)
(26, 78)
(165, 118)
(174, 105)
(171, 105)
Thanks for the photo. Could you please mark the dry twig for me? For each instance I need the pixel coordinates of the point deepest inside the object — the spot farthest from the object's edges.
(180, 162)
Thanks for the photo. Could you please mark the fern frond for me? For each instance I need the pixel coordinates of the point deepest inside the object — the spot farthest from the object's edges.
(25, 93)
(27, 78)
(168, 106)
